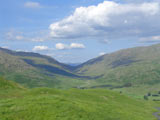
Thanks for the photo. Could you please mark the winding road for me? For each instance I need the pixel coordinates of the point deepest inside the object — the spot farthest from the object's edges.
(157, 114)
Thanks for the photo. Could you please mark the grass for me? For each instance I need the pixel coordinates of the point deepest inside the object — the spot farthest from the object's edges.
(74, 104)
(18, 103)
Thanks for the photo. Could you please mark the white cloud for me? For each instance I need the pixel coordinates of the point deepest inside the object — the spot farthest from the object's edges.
(109, 19)
(102, 53)
(61, 46)
(40, 48)
(32, 5)
(76, 45)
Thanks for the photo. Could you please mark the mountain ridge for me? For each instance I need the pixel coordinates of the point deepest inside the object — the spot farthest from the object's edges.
(137, 67)
(126, 69)
(36, 70)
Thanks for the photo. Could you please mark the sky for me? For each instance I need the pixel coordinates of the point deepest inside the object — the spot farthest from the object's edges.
(74, 31)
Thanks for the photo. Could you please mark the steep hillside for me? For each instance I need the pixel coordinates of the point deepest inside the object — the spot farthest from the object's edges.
(135, 67)
(50, 104)
(35, 70)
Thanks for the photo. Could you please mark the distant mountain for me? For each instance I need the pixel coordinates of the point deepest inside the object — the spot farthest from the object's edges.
(133, 70)
(137, 67)
(36, 70)
(73, 64)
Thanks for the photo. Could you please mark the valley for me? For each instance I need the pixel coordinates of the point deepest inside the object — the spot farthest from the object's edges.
(80, 60)
(123, 85)
(129, 70)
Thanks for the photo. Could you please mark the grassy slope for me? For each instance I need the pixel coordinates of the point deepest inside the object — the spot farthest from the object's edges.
(13, 67)
(9, 89)
(139, 66)
(17, 103)
(74, 104)
(6, 84)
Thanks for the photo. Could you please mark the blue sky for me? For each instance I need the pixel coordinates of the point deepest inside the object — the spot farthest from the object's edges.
(78, 30)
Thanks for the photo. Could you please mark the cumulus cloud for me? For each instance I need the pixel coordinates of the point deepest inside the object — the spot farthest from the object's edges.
(110, 20)
(40, 48)
(32, 5)
(61, 46)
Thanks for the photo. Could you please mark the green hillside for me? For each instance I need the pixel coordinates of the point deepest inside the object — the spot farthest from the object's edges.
(35, 70)
(134, 70)
(74, 104)
(9, 89)
(6, 84)
(17, 103)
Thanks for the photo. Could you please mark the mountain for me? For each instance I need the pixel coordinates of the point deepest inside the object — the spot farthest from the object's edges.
(132, 70)
(73, 64)
(135, 71)
(36, 70)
